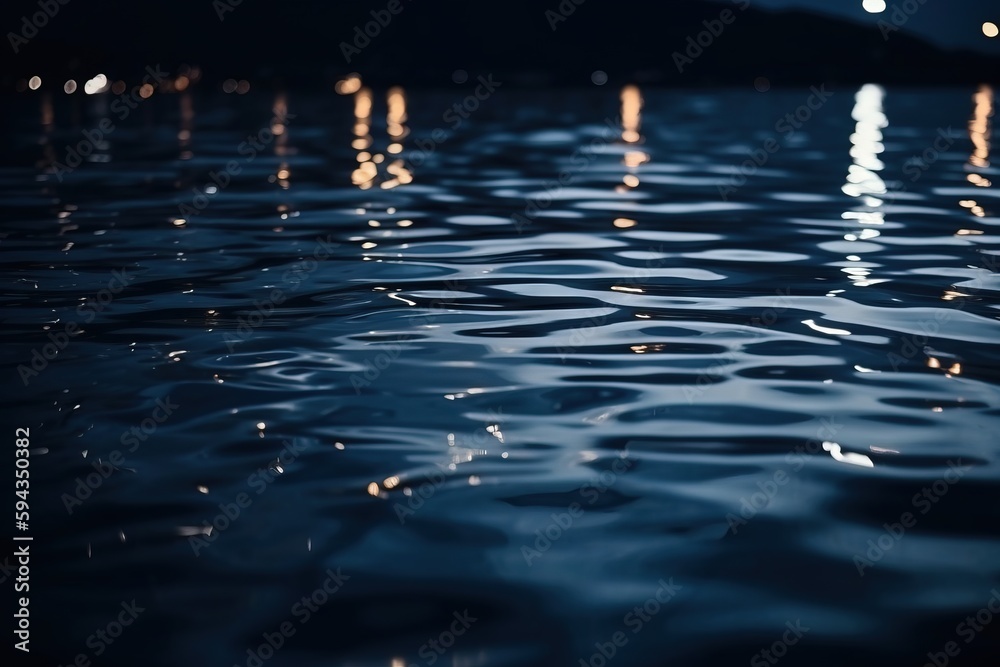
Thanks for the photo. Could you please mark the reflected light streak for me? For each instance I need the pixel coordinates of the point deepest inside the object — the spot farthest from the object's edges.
(980, 131)
(863, 181)
(365, 174)
(631, 114)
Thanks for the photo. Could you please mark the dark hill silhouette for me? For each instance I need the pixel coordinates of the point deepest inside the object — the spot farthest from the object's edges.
(299, 42)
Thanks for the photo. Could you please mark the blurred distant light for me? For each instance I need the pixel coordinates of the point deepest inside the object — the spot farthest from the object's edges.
(34, 83)
(874, 6)
(96, 85)
(599, 78)
(69, 87)
(118, 88)
(229, 86)
(146, 91)
(243, 87)
(762, 84)
(181, 83)
(460, 76)
(349, 85)
(990, 29)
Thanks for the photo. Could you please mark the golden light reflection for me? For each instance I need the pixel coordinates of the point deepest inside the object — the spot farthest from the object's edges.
(954, 369)
(348, 85)
(980, 132)
(366, 175)
(990, 29)
(396, 115)
(631, 114)
(635, 158)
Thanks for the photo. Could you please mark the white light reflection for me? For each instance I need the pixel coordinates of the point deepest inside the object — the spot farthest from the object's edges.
(863, 181)
(847, 457)
(827, 330)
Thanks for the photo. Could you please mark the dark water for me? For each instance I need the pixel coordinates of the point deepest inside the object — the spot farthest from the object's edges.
(654, 374)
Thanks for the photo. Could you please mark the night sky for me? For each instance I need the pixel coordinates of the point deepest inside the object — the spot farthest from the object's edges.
(280, 37)
(953, 24)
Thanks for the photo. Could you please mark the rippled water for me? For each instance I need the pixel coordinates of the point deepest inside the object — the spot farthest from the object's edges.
(655, 372)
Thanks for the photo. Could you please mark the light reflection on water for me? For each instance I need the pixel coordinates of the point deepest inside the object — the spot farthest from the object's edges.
(449, 380)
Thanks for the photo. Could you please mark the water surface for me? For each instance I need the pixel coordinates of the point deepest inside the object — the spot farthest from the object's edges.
(528, 367)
